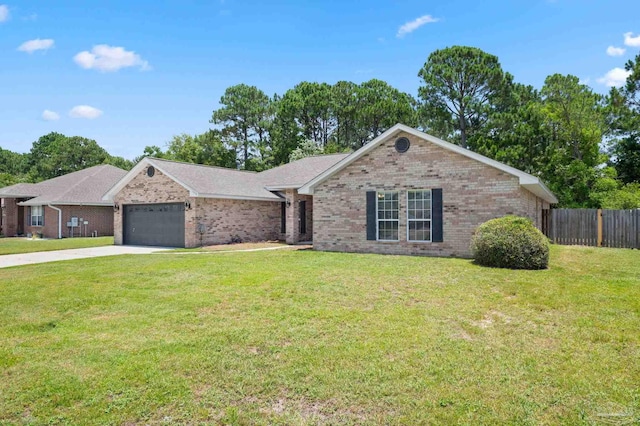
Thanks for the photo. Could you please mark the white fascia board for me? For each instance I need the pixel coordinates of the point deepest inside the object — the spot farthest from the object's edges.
(308, 187)
(63, 203)
(145, 162)
(525, 179)
(282, 187)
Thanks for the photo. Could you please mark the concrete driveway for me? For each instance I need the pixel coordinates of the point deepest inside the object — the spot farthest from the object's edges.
(9, 260)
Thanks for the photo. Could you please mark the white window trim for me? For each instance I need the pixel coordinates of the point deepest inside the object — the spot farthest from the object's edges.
(41, 216)
(387, 220)
(430, 220)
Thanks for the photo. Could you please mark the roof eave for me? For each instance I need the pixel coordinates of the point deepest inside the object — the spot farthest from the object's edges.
(65, 203)
(119, 186)
(19, 195)
(240, 197)
(282, 187)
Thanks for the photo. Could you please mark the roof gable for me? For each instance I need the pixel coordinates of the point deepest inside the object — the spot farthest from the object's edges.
(84, 187)
(529, 182)
(202, 181)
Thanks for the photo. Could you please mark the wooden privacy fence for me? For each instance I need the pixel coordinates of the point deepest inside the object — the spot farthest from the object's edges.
(593, 227)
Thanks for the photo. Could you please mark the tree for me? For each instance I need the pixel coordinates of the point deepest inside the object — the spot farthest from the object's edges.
(624, 107)
(610, 193)
(380, 107)
(150, 151)
(515, 133)
(344, 104)
(13, 163)
(307, 148)
(55, 155)
(245, 117)
(120, 162)
(206, 148)
(574, 117)
(460, 86)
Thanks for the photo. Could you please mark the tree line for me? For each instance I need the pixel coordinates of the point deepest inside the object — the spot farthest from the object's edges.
(584, 145)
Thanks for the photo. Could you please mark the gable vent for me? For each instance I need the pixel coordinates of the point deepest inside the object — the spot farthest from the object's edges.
(402, 145)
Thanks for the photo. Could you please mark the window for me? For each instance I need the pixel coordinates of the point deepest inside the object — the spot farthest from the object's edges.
(37, 216)
(419, 215)
(387, 208)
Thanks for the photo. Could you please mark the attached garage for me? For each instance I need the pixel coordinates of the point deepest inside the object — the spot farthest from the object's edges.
(154, 224)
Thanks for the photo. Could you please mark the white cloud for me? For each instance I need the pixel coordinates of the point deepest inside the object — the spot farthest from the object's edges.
(411, 26)
(615, 51)
(85, 111)
(50, 115)
(109, 59)
(4, 13)
(614, 78)
(36, 44)
(631, 41)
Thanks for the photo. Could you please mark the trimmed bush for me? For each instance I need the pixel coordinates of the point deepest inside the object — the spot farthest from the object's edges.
(510, 242)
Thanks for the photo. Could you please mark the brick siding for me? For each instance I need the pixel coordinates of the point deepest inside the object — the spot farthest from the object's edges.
(293, 217)
(223, 219)
(9, 217)
(100, 219)
(472, 194)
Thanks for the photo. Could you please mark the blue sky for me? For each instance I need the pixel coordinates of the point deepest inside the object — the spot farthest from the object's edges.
(135, 73)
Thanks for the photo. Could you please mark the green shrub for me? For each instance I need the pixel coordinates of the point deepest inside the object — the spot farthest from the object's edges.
(510, 242)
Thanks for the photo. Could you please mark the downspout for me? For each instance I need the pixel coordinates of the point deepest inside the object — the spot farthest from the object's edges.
(59, 220)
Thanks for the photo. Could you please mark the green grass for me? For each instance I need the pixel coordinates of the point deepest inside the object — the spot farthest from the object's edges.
(302, 337)
(28, 245)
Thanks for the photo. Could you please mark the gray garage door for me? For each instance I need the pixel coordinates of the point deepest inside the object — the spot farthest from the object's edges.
(154, 225)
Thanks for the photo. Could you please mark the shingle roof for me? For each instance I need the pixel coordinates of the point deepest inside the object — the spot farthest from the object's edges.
(211, 181)
(297, 173)
(19, 190)
(82, 187)
(220, 182)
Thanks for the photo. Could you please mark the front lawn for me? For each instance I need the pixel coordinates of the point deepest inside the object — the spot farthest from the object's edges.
(28, 245)
(302, 337)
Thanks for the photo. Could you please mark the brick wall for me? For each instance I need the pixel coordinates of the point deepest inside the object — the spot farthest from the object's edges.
(248, 220)
(472, 194)
(293, 235)
(223, 219)
(9, 217)
(157, 189)
(100, 219)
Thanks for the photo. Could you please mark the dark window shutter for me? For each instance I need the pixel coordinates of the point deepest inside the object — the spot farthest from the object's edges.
(371, 215)
(283, 217)
(43, 215)
(303, 216)
(28, 216)
(436, 215)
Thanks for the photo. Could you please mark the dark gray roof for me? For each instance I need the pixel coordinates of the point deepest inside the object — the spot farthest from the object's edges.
(297, 173)
(82, 187)
(212, 181)
(220, 182)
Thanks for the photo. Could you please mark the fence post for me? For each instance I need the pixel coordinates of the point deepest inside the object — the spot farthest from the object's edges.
(599, 214)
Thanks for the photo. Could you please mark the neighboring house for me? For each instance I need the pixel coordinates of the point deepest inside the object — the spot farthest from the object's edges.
(405, 192)
(48, 208)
